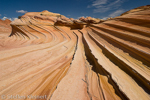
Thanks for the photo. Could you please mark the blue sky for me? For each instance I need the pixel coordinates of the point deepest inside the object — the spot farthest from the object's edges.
(70, 8)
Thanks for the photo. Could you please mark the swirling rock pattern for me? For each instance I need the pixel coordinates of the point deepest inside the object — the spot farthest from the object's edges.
(62, 58)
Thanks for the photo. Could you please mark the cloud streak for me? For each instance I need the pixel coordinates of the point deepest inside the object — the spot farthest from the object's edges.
(115, 13)
(12, 19)
(99, 2)
(101, 6)
(21, 11)
(6, 18)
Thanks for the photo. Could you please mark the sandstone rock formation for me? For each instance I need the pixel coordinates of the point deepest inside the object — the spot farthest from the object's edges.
(5, 26)
(52, 57)
(5, 30)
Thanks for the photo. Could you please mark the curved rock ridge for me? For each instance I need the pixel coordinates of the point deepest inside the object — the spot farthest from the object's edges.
(137, 9)
(51, 57)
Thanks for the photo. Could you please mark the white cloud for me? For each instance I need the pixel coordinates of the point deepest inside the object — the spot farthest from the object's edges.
(104, 18)
(0, 15)
(105, 5)
(12, 19)
(6, 18)
(99, 2)
(81, 16)
(117, 13)
(21, 11)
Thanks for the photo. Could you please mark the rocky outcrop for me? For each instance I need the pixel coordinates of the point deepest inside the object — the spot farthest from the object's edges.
(5, 26)
(5, 30)
(52, 57)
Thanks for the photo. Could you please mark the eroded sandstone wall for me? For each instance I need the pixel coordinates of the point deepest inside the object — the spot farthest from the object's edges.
(62, 58)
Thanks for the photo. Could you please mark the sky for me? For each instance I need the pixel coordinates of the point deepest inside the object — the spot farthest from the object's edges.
(102, 9)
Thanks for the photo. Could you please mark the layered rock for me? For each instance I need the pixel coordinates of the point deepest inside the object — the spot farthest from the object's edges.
(5, 26)
(60, 58)
(5, 30)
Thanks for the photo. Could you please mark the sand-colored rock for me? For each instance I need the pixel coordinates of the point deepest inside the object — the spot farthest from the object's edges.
(60, 58)
(5, 26)
(142, 8)
(5, 30)
(90, 20)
